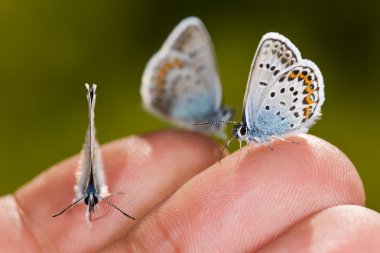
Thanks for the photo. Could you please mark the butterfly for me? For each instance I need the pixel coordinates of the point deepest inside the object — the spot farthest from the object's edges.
(91, 186)
(284, 93)
(181, 82)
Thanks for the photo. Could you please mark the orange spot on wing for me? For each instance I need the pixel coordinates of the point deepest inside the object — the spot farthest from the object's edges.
(163, 72)
(177, 63)
(308, 100)
(165, 68)
(307, 112)
(308, 89)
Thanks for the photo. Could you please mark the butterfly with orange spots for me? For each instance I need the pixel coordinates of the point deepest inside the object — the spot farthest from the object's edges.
(284, 94)
(181, 83)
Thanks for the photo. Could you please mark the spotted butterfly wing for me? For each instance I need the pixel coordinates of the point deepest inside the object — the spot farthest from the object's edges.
(294, 101)
(181, 83)
(191, 38)
(285, 92)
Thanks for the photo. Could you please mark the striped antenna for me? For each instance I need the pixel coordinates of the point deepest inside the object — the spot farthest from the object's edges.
(215, 122)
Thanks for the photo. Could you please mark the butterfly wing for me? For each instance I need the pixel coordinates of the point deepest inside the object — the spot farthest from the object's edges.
(181, 83)
(191, 38)
(285, 92)
(91, 164)
(274, 54)
(293, 101)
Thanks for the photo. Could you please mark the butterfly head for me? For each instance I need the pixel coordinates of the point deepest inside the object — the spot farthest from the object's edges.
(239, 131)
(91, 200)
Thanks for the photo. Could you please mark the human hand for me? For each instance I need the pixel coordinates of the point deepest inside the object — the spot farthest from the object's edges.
(299, 198)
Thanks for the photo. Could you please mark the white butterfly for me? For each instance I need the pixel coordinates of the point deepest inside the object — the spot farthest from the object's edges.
(181, 82)
(284, 93)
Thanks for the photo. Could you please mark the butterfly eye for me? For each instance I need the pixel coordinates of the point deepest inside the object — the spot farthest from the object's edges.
(242, 131)
(86, 200)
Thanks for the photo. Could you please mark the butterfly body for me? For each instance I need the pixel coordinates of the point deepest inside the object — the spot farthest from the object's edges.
(181, 83)
(284, 93)
(91, 196)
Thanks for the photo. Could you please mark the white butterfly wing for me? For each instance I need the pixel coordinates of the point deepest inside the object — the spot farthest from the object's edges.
(180, 83)
(293, 101)
(90, 155)
(274, 54)
(178, 93)
(191, 38)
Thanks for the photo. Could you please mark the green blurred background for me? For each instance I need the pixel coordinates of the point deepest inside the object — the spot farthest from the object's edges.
(49, 49)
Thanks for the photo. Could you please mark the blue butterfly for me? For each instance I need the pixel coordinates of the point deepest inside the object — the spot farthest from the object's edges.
(284, 93)
(181, 82)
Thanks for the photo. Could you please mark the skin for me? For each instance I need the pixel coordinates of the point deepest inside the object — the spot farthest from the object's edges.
(298, 198)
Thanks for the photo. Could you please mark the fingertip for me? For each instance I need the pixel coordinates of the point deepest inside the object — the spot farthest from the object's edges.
(147, 167)
(312, 160)
(335, 168)
(200, 144)
(251, 197)
(345, 228)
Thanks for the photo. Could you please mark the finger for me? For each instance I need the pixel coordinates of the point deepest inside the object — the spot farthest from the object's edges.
(348, 229)
(240, 206)
(146, 168)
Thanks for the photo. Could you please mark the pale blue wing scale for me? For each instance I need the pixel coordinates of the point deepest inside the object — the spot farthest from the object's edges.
(293, 102)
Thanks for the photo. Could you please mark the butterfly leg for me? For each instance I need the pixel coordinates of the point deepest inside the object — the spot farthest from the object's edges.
(267, 145)
(225, 146)
(264, 143)
(282, 139)
(248, 147)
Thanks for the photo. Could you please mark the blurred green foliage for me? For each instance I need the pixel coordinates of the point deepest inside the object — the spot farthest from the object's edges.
(49, 49)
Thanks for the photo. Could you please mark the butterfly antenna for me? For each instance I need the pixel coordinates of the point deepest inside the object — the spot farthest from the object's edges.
(225, 146)
(67, 208)
(109, 203)
(238, 159)
(215, 122)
